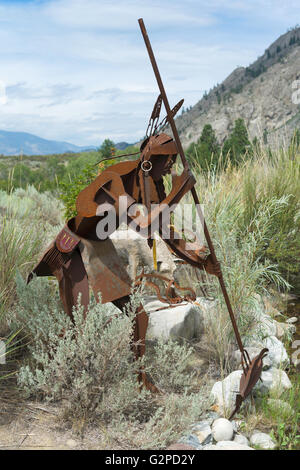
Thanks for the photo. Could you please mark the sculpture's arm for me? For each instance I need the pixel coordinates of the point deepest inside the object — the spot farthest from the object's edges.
(197, 257)
(181, 184)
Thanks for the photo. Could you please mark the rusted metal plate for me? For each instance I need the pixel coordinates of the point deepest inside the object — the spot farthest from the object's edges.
(104, 269)
(72, 279)
(250, 377)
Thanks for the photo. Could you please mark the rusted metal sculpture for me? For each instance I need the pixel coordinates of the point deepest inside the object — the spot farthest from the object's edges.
(80, 260)
(251, 369)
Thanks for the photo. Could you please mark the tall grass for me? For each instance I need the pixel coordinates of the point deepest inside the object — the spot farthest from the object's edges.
(28, 221)
(253, 215)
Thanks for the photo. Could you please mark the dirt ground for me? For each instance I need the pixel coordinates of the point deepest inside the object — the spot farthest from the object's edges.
(34, 426)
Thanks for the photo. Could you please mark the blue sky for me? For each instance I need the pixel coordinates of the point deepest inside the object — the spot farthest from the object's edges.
(78, 70)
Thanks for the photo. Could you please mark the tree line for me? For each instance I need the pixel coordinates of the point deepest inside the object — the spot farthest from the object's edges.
(208, 154)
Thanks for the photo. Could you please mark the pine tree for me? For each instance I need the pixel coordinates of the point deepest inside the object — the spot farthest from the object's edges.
(207, 149)
(237, 144)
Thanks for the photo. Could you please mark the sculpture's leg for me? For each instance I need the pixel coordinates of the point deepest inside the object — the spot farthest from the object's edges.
(139, 336)
(72, 280)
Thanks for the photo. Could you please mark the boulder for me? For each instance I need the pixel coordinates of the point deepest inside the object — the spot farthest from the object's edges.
(222, 430)
(203, 432)
(284, 330)
(227, 445)
(223, 392)
(277, 352)
(191, 440)
(240, 439)
(182, 321)
(136, 255)
(262, 440)
(266, 326)
(292, 320)
(274, 380)
(236, 358)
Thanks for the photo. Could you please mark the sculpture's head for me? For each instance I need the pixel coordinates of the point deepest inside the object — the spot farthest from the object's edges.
(158, 154)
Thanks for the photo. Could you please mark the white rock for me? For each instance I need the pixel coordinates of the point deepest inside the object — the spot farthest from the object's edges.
(262, 440)
(280, 330)
(135, 253)
(222, 430)
(292, 320)
(227, 445)
(274, 380)
(267, 326)
(285, 329)
(223, 393)
(236, 358)
(231, 445)
(240, 439)
(181, 321)
(277, 352)
(210, 447)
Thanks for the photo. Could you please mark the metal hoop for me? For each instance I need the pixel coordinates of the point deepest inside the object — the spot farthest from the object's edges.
(148, 163)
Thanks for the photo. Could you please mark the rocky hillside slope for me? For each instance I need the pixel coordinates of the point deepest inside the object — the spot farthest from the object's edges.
(262, 94)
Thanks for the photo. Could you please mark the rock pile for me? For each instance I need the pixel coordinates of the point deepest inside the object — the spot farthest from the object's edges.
(221, 434)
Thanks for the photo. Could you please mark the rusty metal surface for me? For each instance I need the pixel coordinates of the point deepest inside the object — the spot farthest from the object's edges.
(73, 281)
(78, 258)
(170, 294)
(106, 274)
(251, 374)
(66, 241)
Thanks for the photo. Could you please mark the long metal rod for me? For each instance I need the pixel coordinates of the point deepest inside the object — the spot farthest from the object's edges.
(193, 190)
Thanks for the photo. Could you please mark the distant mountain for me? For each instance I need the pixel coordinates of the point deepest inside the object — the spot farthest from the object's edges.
(122, 145)
(261, 94)
(14, 143)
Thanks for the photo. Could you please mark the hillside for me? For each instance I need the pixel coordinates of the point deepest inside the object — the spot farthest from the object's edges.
(261, 94)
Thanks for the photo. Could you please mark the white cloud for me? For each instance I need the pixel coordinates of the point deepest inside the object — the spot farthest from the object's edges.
(122, 15)
(78, 70)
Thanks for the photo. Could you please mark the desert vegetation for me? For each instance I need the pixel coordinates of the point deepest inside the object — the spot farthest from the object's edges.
(252, 206)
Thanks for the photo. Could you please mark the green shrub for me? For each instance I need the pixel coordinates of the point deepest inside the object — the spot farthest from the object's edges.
(90, 371)
(168, 365)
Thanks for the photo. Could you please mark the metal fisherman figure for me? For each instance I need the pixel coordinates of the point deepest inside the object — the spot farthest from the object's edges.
(80, 260)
